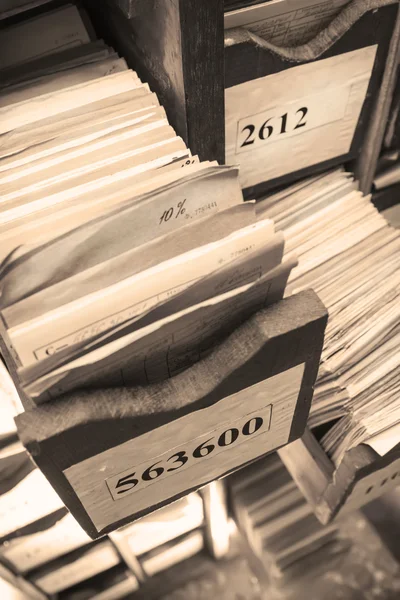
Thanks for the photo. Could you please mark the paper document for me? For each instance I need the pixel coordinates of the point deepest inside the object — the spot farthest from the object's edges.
(131, 296)
(166, 347)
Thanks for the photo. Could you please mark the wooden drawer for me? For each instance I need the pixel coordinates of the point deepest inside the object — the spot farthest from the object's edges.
(280, 112)
(293, 111)
(362, 476)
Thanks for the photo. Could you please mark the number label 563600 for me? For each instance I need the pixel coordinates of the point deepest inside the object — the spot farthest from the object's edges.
(228, 437)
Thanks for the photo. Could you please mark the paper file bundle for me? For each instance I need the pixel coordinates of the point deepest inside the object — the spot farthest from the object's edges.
(124, 259)
(350, 256)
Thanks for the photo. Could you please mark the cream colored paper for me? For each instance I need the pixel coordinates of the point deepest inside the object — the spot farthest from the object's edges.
(386, 440)
(53, 221)
(30, 500)
(62, 80)
(138, 161)
(182, 200)
(22, 141)
(10, 403)
(163, 348)
(24, 113)
(34, 156)
(67, 167)
(227, 296)
(33, 70)
(35, 549)
(139, 259)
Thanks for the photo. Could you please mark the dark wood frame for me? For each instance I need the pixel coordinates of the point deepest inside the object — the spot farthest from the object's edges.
(177, 47)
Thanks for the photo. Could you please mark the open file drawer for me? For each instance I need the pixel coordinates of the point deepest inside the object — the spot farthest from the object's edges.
(112, 454)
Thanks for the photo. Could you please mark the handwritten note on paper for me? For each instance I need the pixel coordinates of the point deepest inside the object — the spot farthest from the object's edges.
(132, 296)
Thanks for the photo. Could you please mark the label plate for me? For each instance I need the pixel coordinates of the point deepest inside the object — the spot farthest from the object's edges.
(297, 118)
(187, 452)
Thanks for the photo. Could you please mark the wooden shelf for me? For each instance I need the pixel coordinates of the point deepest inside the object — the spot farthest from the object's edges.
(181, 49)
(177, 47)
(362, 476)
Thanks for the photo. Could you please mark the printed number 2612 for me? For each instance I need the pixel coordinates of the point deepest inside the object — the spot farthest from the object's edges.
(274, 126)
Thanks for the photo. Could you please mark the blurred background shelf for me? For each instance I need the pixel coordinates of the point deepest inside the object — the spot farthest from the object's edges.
(362, 476)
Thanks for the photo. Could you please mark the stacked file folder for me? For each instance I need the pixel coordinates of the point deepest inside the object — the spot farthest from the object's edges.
(124, 258)
(300, 557)
(350, 256)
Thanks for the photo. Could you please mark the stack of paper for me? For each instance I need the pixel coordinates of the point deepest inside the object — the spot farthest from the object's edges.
(124, 259)
(350, 256)
(280, 524)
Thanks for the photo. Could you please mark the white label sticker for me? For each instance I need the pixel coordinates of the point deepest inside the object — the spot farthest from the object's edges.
(187, 452)
(206, 446)
(281, 122)
(297, 118)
